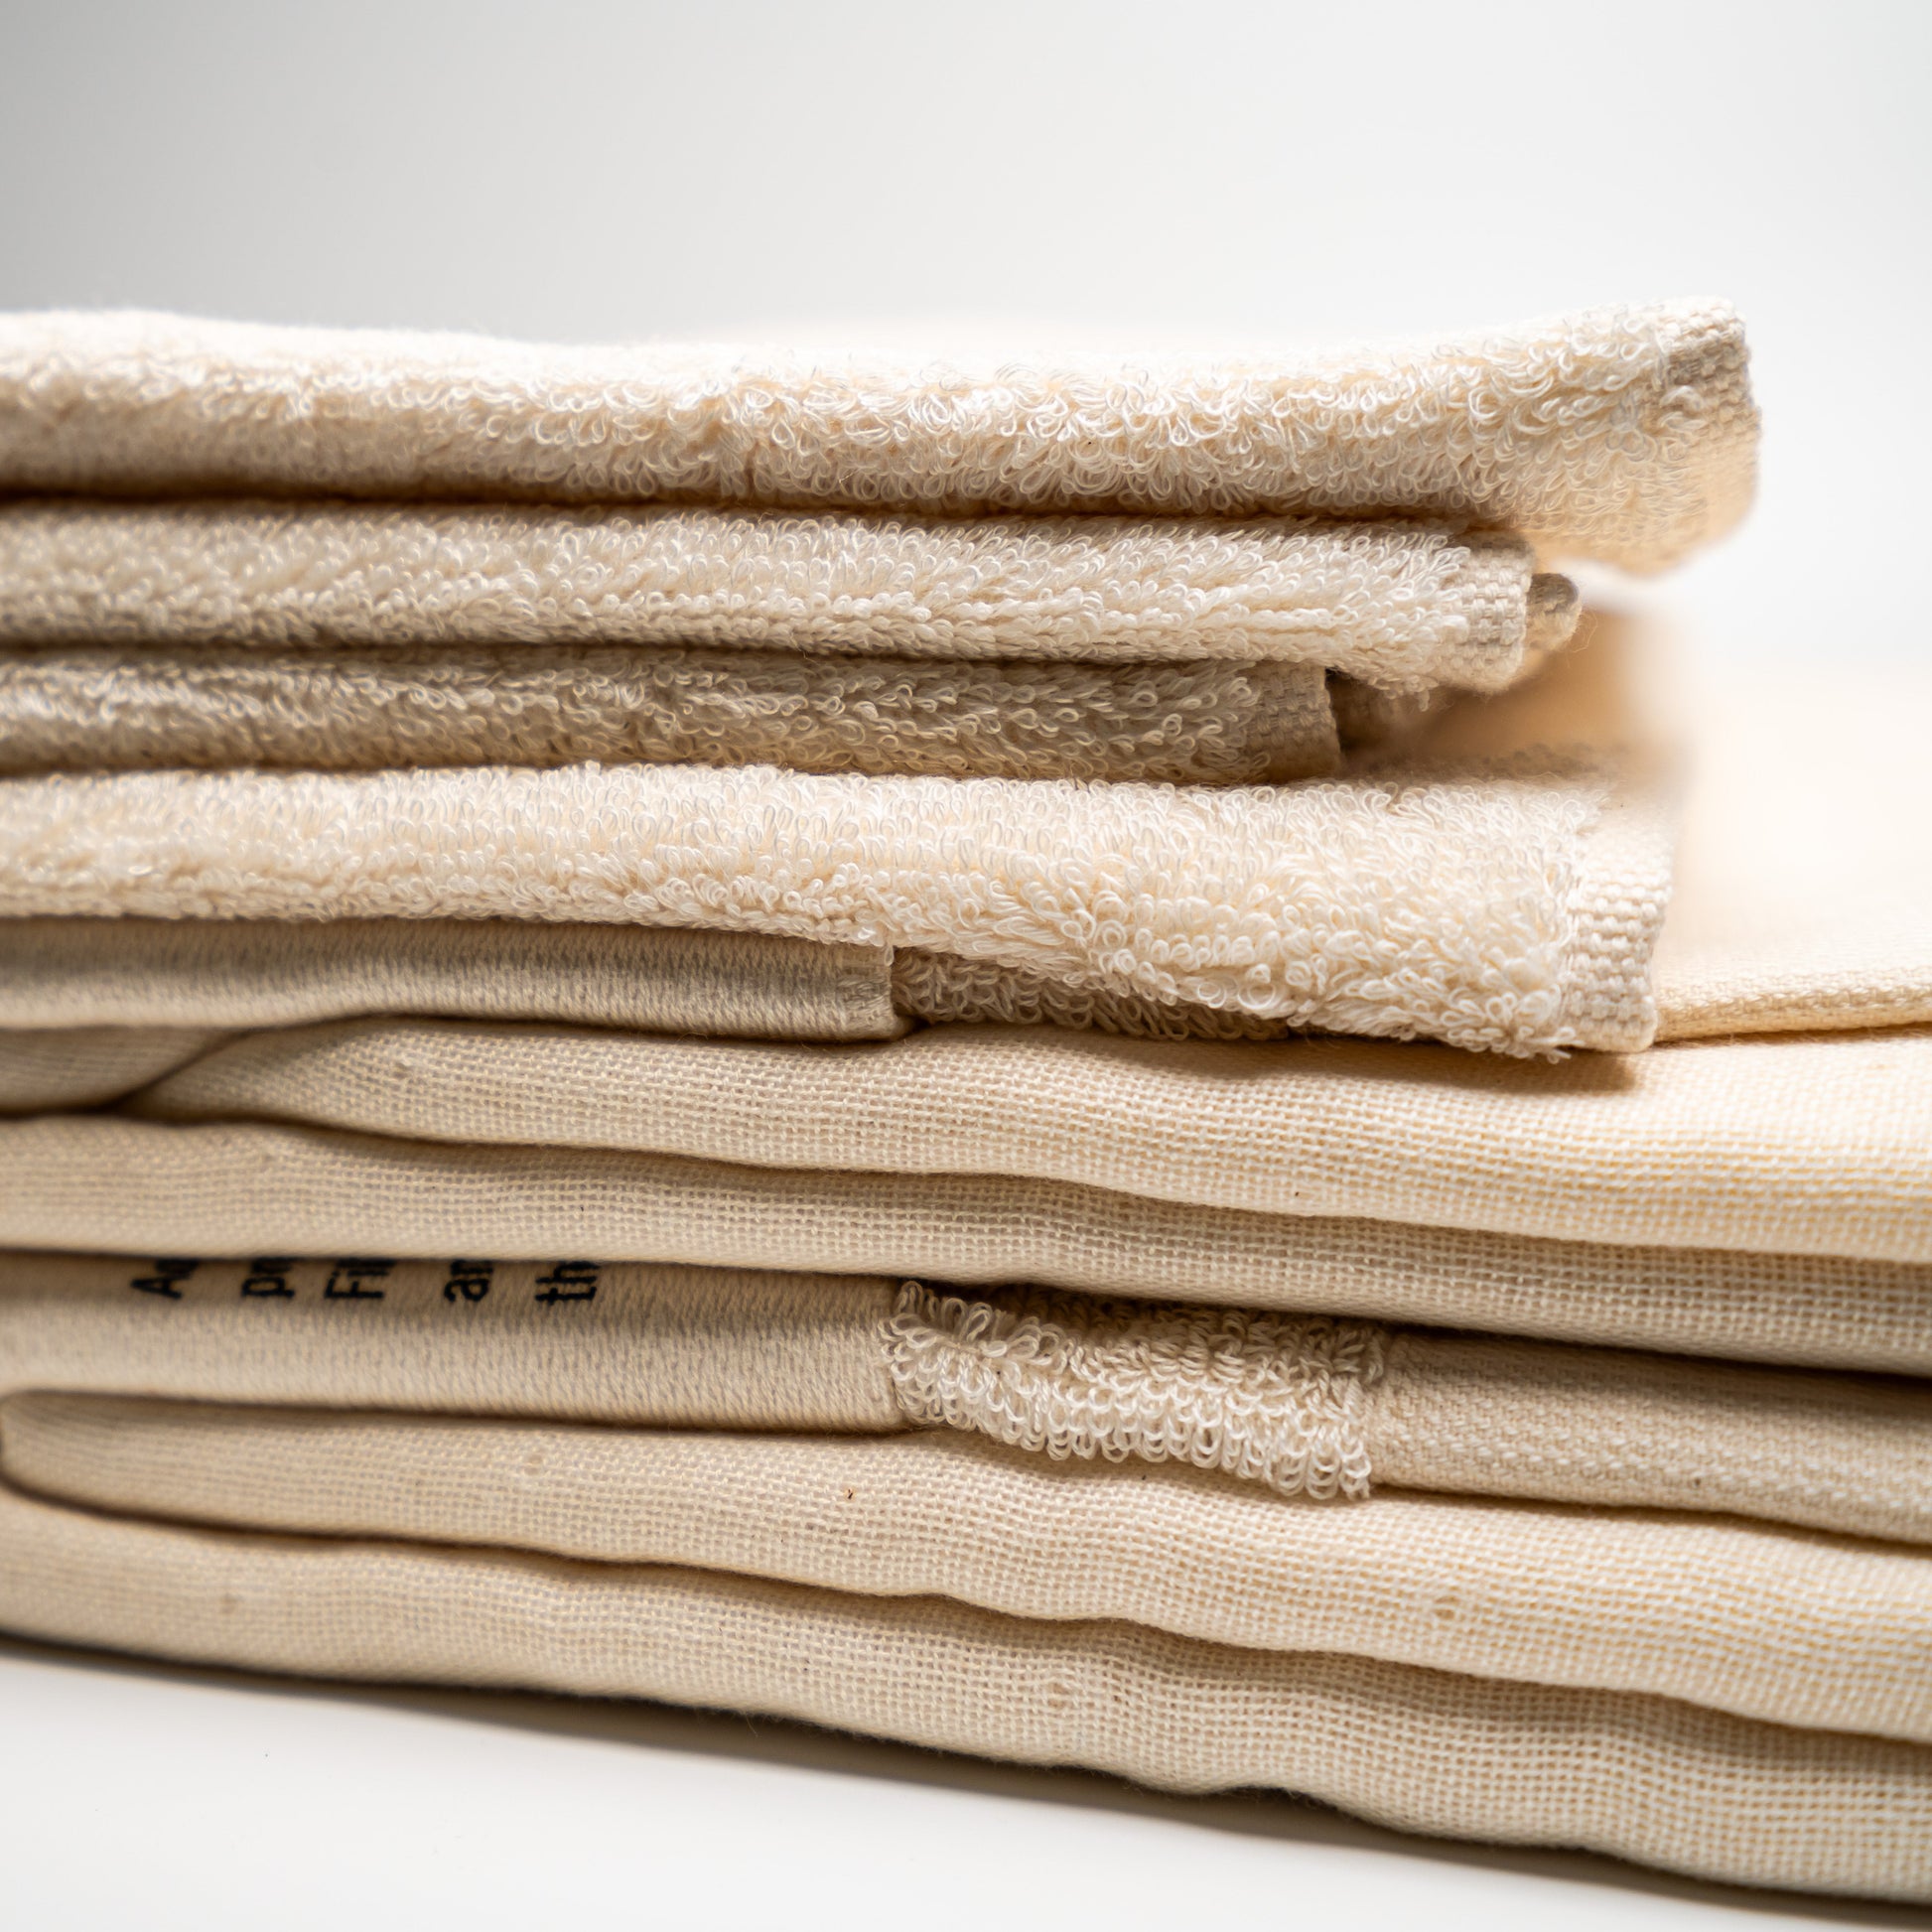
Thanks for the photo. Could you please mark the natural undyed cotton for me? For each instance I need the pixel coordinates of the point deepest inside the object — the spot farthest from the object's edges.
(1623, 433)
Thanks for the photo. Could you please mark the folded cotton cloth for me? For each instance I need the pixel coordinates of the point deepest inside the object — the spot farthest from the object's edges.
(886, 1582)
(1396, 604)
(1649, 1777)
(1622, 433)
(1794, 1627)
(1302, 1404)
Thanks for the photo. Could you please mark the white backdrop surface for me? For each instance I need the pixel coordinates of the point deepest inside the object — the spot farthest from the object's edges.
(1123, 173)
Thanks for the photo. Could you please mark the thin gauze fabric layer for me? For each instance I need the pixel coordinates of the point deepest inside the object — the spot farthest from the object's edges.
(1651, 1778)
(1804, 896)
(1501, 911)
(129, 976)
(1623, 433)
(1397, 605)
(41, 1068)
(84, 1182)
(137, 709)
(1823, 1633)
(1298, 1405)
(1799, 1145)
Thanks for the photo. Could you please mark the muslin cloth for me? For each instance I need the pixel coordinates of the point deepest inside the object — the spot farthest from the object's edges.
(1654, 1778)
(1623, 433)
(1396, 605)
(1795, 1627)
(245, 1188)
(1301, 1405)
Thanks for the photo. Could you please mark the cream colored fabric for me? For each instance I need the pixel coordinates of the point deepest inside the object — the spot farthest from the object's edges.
(1819, 1631)
(1625, 433)
(723, 1347)
(1303, 1406)
(1816, 1146)
(1507, 912)
(81, 1066)
(1805, 897)
(91, 1182)
(169, 974)
(1476, 1416)
(1645, 1777)
(109, 710)
(1396, 605)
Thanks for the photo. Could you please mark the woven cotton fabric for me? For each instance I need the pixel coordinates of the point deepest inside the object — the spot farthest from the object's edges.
(88, 1183)
(1794, 1146)
(1395, 605)
(1824, 1632)
(127, 975)
(1303, 1406)
(1653, 1778)
(1623, 433)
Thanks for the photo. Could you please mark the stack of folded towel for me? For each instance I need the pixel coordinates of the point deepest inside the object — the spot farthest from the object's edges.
(1036, 922)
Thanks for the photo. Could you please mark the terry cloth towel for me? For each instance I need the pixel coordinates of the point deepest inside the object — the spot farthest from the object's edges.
(1509, 901)
(1794, 1627)
(1396, 604)
(108, 710)
(1300, 1405)
(1627, 434)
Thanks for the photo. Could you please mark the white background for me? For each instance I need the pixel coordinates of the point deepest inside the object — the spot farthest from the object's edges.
(1116, 172)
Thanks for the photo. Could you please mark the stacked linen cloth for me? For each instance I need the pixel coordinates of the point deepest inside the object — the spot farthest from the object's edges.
(1101, 1256)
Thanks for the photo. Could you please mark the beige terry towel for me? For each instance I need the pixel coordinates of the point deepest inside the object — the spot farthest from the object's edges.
(1625, 433)
(1652, 1778)
(1512, 911)
(1797, 1629)
(130, 709)
(1298, 1404)
(1398, 605)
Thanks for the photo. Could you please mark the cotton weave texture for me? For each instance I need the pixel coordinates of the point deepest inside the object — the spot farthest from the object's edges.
(1036, 1057)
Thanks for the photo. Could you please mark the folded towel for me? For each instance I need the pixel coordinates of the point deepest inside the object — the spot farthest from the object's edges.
(1301, 1405)
(104, 1181)
(1654, 1778)
(1797, 1629)
(1820, 1146)
(125, 975)
(1509, 905)
(1396, 605)
(1622, 433)
(107, 710)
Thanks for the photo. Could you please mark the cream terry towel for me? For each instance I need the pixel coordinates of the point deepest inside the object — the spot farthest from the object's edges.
(1622, 433)
(1398, 605)
(108, 710)
(1514, 910)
